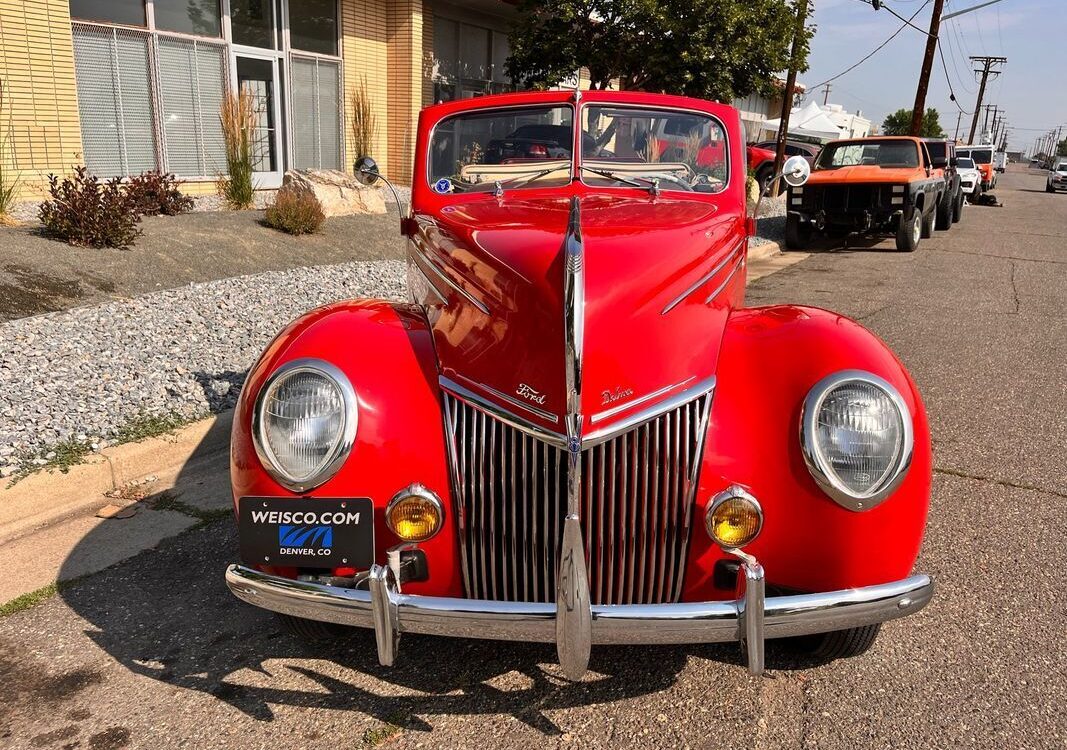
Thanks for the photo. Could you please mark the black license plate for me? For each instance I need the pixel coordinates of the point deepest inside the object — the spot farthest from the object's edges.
(307, 532)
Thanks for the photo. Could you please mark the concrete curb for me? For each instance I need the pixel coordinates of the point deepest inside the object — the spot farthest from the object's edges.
(47, 497)
(764, 251)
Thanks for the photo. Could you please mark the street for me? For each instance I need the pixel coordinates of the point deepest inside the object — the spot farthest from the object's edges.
(156, 653)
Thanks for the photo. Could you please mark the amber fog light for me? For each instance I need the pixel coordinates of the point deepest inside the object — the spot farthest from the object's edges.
(414, 514)
(734, 518)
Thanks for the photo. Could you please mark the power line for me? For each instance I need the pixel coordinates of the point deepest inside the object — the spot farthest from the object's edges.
(875, 50)
(951, 93)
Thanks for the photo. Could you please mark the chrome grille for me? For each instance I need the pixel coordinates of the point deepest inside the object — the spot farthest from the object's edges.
(637, 498)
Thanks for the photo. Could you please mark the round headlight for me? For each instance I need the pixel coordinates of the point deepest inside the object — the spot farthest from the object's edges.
(414, 514)
(856, 435)
(734, 518)
(305, 423)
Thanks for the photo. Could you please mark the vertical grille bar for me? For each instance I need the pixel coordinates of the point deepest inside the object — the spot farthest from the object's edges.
(637, 497)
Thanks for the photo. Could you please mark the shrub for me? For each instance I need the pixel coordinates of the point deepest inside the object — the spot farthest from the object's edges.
(238, 117)
(82, 211)
(364, 121)
(295, 213)
(153, 193)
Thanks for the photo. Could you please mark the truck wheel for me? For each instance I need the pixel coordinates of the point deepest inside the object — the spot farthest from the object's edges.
(837, 644)
(763, 178)
(797, 235)
(944, 213)
(1049, 188)
(909, 231)
(957, 207)
(312, 631)
(928, 224)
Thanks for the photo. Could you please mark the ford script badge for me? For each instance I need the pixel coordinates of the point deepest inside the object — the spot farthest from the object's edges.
(530, 394)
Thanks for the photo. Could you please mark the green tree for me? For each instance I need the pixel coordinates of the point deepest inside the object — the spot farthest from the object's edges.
(899, 123)
(716, 49)
(1061, 149)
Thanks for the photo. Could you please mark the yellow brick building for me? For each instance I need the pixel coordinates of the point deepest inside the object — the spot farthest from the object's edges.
(126, 86)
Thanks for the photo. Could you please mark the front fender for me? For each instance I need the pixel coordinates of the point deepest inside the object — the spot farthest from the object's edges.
(770, 359)
(386, 351)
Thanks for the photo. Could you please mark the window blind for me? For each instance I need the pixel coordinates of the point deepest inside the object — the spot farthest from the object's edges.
(316, 93)
(191, 86)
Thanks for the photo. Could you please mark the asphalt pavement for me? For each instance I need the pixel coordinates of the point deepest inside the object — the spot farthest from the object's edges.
(154, 652)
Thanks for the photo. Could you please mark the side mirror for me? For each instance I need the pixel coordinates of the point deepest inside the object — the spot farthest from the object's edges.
(366, 170)
(796, 171)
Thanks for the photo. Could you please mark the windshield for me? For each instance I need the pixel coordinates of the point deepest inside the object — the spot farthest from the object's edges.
(964, 163)
(868, 153)
(1061, 167)
(518, 147)
(937, 149)
(980, 155)
(643, 147)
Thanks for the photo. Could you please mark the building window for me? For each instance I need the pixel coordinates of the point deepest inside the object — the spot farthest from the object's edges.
(195, 17)
(115, 100)
(190, 97)
(252, 23)
(316, 117)
(468, 60)
(314, 27)
(127, 12)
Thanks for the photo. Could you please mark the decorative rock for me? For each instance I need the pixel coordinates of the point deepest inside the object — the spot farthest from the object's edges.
(336, 192)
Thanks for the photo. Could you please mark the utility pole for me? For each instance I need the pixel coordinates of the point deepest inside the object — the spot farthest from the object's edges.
(826, 93)
(787, 95)
(924, 75)
(987, 63)
(959, 116)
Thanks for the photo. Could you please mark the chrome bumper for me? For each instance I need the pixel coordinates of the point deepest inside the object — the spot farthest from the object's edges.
(750, 619)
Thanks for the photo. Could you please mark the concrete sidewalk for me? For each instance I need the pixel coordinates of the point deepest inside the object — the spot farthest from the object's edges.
(129, 498)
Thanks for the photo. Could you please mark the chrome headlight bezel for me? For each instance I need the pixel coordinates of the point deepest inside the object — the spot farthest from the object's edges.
(824, 476)
(348, 432)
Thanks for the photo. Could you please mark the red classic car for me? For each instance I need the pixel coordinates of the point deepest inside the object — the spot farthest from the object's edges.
(575, 432)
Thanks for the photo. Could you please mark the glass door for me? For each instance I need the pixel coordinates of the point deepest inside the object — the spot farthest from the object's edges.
(258, 74)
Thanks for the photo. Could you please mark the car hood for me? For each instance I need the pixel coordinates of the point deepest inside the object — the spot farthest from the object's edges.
(501, 333)
(864, 174)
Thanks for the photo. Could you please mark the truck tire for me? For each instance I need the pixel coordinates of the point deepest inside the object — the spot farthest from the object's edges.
(312, 631)
(928, 224)
(957, 207)
(944, 213)
(1049, 188)
(909, 232)
(837, 644)
(763, 178)
(797, 235)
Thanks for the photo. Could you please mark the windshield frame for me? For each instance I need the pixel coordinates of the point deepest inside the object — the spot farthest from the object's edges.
(575, 113)
(833, 146)
(579, 157)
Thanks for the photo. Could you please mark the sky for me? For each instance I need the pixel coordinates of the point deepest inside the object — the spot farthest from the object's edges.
(1032, 34)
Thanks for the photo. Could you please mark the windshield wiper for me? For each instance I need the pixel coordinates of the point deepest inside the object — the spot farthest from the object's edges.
(617, 177)
(652, 183)
(522, 179)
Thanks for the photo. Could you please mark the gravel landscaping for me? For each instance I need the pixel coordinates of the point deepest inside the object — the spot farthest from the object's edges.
(83, 375)
(771, 224)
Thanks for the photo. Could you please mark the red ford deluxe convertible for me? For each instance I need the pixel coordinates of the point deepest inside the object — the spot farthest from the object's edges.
(575, 432)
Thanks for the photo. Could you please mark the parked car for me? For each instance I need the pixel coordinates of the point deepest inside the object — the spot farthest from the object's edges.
(676, 138)
(1057, 176)
(943, 156)
(983, 159)
(1000, 161)
(561, 438)
(878, 185)
(534, 141)
(764, 167)
(970, 177)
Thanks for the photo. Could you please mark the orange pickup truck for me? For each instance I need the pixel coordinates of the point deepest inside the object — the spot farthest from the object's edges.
(879, 185)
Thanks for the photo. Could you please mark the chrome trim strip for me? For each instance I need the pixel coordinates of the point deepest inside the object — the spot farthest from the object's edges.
(432, 286)
(485, 406)
(340, 452)
(705, 278)
(729, 277)
(614, 624)
(439, 273)
(545, 415)
(700, 388)
(825, 477)
(574, 306)
(600, 416)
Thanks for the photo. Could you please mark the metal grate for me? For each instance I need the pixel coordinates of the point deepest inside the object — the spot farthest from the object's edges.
(637, 498)
(115, 100)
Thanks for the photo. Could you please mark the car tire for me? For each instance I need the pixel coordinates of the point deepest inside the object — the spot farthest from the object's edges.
(943, 213)
(1049, 189)
(909, 232)
(312, 631)
(797, 234)
(763, 178)
(837, 644)
(928, 224)
(957, 207)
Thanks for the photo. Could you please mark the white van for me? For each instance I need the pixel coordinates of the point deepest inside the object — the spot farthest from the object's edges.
(1000, 161)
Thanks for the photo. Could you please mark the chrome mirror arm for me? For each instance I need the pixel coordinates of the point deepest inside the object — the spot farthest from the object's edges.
(396, 196)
